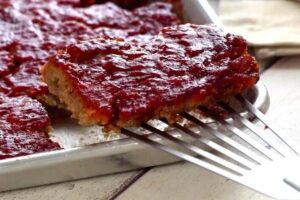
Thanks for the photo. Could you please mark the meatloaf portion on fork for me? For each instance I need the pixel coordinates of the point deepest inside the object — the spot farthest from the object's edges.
(120, 83)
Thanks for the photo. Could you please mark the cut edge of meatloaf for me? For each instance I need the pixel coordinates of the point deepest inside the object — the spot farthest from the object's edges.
(72, 101)
(56, 80)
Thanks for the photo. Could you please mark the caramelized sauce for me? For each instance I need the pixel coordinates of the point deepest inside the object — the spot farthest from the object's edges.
(123, 79)
(33, 30)
(23, 127)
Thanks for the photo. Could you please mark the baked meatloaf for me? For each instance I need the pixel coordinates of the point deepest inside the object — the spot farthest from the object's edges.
(33, 30)
(118, 82)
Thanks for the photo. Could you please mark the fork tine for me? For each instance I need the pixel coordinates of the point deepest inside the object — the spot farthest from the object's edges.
(259, 133)
(259, 147)
(184, 156)
(247, 152)
(266, 121)
(244, 162)
(235, 168)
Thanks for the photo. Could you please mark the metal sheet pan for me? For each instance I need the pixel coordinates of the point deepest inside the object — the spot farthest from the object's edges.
(89, 153)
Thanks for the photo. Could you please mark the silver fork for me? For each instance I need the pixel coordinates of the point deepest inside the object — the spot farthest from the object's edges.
(252, 158)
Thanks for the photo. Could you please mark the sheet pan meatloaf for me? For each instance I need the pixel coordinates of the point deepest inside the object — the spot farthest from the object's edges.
(119, 83)
(33, 30)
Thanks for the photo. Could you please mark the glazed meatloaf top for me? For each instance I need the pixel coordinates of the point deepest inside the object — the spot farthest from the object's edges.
(118, 82)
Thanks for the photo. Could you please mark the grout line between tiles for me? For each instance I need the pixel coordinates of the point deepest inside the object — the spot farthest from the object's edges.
(129, 183)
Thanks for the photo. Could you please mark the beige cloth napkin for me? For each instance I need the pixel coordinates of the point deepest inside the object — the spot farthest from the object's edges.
(271, 26)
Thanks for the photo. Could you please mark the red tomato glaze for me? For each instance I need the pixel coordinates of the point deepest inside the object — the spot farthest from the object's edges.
(33, 30)
(23, 127)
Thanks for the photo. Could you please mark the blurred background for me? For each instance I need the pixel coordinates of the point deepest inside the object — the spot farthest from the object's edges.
(272, 27)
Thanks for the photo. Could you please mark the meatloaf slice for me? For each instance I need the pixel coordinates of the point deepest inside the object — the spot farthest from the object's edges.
(119, 82)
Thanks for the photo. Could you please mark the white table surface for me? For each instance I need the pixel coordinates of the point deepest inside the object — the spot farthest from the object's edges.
(184, 180)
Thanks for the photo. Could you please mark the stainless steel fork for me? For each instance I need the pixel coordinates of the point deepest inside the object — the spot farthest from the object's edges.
(258, 157)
